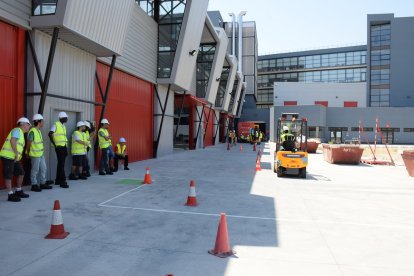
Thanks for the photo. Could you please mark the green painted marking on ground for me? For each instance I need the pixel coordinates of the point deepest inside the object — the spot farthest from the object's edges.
(130, 181)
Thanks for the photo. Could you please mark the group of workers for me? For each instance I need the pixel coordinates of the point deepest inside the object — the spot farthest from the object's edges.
(83, 137)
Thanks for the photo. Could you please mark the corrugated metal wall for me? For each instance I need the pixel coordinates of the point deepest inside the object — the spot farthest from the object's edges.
(103, 21)
(11, 79)
(16, 12)
(139, 56)
(129, 111)
(73, 75)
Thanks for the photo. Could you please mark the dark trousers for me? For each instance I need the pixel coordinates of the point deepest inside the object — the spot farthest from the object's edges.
(103, 166)
(85, 164)
(61, 153)
(119, 157)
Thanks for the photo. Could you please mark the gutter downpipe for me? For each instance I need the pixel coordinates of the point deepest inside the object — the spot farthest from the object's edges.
(240, 39)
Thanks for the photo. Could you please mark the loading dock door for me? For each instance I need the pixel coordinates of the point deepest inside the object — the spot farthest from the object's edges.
(11, 80)
(129, 110)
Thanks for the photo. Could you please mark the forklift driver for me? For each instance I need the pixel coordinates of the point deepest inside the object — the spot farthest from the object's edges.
(287, 139)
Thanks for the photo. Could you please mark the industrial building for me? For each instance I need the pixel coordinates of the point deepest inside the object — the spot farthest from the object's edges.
(163, 75)
(339, 87)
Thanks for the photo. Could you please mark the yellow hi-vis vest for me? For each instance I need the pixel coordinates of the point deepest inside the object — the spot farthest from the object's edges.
(59, 136)
(103, 144)
(87, 137)
(120, 150)
(7, 150)
(36, 147)
(77, 148)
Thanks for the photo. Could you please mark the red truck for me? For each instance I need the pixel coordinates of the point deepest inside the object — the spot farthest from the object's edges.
(243, 131)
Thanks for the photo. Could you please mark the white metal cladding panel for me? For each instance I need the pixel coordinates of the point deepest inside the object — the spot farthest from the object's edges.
(165, 146)
(190, 37)
(16, 12)
(306, 93)
(73, 70)
(230, 83)
(236, 98)
(217, 66)
(102, 21)
(139, 57)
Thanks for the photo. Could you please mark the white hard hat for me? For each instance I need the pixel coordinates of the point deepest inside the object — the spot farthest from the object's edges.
(37, 117)
(24, 120)
(63, 115)
(80, 123)
(87, 124)
(285, 128)
(104, 121)
(122, 140)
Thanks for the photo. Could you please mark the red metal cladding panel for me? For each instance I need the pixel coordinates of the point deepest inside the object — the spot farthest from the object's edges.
(290, 103)
(350, 104)
(11, 80)
(323, 103)
(129, 111)
(208, 141)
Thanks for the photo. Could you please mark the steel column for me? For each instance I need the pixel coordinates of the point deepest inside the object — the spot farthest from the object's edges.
(46, 80)
(157, 142)
(104, 99)
(208, 119)
(199, 125)
(35, 60)
(99, 85)
(179, 117)
(217, 124)
(108, 86)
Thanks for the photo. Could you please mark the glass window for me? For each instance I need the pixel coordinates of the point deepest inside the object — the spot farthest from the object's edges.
(171, 14)
(44, 7)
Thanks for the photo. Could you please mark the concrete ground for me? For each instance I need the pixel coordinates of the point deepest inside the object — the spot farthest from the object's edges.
(341, 220)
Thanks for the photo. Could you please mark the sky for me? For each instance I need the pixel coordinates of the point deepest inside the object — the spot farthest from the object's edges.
(294, 25)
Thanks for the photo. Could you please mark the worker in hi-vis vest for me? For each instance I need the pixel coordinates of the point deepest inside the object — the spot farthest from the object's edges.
(89, 138)
(36, 152)
(10, 154)
(59, 140)
(121, 154)
(78, 150)
(105, 144)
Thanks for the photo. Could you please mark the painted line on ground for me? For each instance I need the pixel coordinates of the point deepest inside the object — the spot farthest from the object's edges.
(260, 218)
(100, 204)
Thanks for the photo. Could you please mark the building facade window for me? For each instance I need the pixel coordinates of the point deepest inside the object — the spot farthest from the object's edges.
(233, 95)
(44, 7)
(312, 61)
(205, 59)
(380, 58)
(221, 92)
(170, 19)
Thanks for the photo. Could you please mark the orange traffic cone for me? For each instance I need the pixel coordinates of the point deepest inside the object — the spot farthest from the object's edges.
(254, 147)
(258, 168)
(241, 148)
(192, 198)
(57, 230)
(222, 247)
(147, 178)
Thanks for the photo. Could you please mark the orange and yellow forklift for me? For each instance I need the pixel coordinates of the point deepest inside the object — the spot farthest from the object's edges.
(291, 156)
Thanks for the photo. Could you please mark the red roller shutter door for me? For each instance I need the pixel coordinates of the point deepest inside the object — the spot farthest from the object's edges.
(11, 80)
(129, 111)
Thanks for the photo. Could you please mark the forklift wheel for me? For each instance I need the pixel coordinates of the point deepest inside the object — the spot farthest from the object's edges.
(279, 172)
(302, 173)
